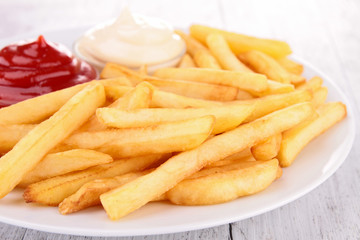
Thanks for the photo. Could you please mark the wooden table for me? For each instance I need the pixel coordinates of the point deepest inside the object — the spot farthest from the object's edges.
(325, 33)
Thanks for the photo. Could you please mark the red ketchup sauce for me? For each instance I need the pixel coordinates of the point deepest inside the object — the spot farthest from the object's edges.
(34, 68)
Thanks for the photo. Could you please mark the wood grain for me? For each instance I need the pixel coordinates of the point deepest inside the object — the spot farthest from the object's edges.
(325, 33)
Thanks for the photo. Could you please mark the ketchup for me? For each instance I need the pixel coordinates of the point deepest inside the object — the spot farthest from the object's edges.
(34, 68)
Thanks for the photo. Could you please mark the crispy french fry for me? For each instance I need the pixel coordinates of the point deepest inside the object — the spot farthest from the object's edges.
(227, 117)
(162, 138)
(89, 194)
(313, 84)
(240, 43)
(244, 95)
(33, 147)
(271, 103)
(204, 59)
(244, 155)
(186, 62)
(290, 65)
(319, 97)
(241, 80)
(198, 90)
(274, 88)
(11, 134)
(131, 196)
(54, 190)
(267, 149)
(192, 45)
(226, 183)
(222, 52)
(60, 163)
(295, 139)
(262, 63)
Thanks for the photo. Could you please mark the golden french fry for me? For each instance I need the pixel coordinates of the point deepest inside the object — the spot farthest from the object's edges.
(199, 90)
(89, 194)
(319, 97)
(225, 183)
(290, 65)
(245, 81)
(295, 139)
(11, 134)
(204, 59)
(271, 103)
(60, 163)
(131, 196)
(267, 149)
(187, 62)
(192, 45)
(240, 43)
(274, 88)
(223, 54)
(227, 117)
(113, 70)
(262, 63)
(162, 138)
(54, 190)
(244, 95)
(34, 146)
(244, 155)
(313, 84)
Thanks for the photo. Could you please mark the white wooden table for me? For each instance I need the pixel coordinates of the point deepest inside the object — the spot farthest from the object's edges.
(325, 33)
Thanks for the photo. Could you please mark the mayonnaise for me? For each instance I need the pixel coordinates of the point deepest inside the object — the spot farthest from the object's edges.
(131, 40)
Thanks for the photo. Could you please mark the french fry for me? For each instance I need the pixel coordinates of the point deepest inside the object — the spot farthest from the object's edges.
(245, 81)
(192, 45)
(274, 88)
(186, 62)
(226, 183)
(34, 146)
(267, 149)
(89, 194)
(227, 117)
(290, 65)
(264, 64)
(244, 155)
(131, 196)
(11, 134)
(204, 59)
(223, 54)
(162, 138)
(54, 190)
(60, 163)
(319, 97)
(240, 43)
(295, 139)
(113, 70)
(200, 90)
(313, 84)
(271, 103)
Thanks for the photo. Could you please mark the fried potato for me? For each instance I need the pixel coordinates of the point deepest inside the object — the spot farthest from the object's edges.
(313, 84)
(225, 183)
(89, 193)
(54, 190)
(200, 90)
(319, 97)
(227, 117)
(192, 45)
(290, 65)
(274, 88)
(11, 134)
(241, 80)
(240, 43)
(271, 103)
(267, 149)
(244, 155)
(187, 62)
(204, 59)
(33, 147)
(60, 163)
(113, 70)
(262, 63)
(223, 54)
(295, 139)
(131, 196)
(162, 138)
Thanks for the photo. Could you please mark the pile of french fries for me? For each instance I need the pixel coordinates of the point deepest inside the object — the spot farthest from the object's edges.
(219, 126)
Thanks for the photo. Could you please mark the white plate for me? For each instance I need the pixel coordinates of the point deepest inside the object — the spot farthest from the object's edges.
(314, 165)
